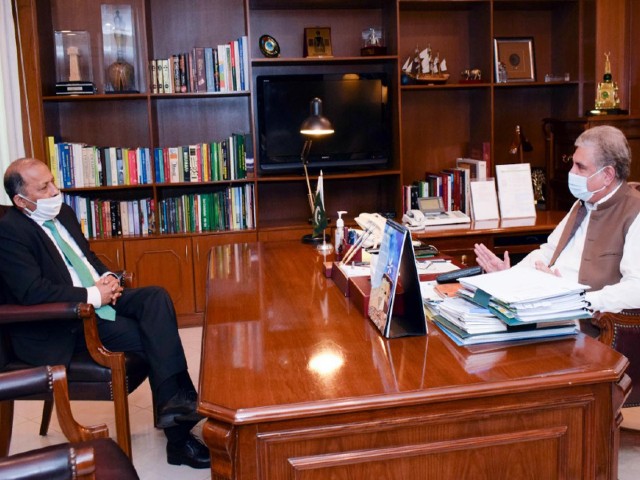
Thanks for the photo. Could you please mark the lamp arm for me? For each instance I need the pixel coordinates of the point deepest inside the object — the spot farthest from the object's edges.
(304, 158)
(310, 194)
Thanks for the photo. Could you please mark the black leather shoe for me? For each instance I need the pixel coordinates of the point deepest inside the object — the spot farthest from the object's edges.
(191, 452)
(181, 406)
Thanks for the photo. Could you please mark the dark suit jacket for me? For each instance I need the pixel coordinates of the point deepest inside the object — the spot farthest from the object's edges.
(33, 272)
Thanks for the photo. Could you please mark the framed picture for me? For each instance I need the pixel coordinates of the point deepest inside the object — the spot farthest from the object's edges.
(514, 59)
(317, 42)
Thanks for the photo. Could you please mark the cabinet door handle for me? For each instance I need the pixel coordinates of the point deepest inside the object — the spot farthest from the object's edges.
(118, 257)
(198, 251)
(186, 252)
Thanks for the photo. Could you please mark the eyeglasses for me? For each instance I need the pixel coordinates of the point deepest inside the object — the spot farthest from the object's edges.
(567, 158)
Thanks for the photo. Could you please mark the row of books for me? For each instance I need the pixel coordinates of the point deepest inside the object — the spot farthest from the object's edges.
(112, 218)
(514, 304)
(223, 68)
(204, 162)
(452, 184)
(230, 209)
(77, 165)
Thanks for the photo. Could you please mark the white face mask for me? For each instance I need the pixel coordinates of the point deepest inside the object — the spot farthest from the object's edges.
(578, 186)
(46, 208)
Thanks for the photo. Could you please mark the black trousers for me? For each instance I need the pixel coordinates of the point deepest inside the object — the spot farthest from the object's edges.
(146, 324)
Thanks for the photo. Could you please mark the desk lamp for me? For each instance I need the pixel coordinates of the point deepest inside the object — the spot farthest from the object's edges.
(520, 144)
(315, 125)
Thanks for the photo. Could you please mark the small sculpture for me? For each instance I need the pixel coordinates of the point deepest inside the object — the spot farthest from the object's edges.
(120, 72)
(472, 74)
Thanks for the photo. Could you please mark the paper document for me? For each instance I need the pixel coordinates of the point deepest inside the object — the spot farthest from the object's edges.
(484, 200)
(520, 285)
(515, 190)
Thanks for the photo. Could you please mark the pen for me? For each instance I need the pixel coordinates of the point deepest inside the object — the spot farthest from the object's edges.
(359, 264)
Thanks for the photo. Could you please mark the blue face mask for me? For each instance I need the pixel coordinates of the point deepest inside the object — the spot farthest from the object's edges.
(578, 186)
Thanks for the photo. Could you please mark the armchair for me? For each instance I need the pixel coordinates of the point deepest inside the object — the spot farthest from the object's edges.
(98, 374)
(621, 331)
(91, 454)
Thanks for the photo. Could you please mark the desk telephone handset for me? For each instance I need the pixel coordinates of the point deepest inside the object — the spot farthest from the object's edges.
(413, 218)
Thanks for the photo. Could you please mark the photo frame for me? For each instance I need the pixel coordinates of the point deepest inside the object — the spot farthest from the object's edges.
(517, 59)
(317, 42)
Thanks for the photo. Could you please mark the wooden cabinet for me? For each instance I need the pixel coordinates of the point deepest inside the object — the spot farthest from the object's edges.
(442, 122)
(110, 252)
(561, 135)
(166, 262)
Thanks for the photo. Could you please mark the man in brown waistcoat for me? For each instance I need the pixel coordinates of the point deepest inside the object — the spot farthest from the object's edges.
(598, 242)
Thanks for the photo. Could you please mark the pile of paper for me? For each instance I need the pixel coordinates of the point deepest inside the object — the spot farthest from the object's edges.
(519, 303)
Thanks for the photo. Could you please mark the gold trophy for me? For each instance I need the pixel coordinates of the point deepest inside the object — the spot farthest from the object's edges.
(607, 100)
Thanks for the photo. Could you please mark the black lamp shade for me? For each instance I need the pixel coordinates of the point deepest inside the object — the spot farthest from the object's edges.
(316, 124)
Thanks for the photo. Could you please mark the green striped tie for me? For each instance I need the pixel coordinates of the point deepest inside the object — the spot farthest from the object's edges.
(105, 312)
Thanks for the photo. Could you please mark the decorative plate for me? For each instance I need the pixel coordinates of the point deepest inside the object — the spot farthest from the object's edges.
(269, 46)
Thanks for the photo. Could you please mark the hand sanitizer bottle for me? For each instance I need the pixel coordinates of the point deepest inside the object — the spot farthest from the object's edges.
(339, 235)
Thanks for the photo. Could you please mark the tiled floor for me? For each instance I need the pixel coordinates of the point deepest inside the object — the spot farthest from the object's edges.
(149, 444)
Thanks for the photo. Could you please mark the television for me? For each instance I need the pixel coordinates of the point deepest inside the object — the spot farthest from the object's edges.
(357, 104)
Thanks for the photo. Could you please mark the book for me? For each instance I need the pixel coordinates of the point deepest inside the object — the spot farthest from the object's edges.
(153, 78)
(208, 68)
(477, 168)
(167, 76)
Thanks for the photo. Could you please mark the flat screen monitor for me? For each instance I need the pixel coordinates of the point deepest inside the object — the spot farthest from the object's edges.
(357, 104)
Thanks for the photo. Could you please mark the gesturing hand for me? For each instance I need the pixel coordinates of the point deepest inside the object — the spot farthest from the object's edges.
(489, 261)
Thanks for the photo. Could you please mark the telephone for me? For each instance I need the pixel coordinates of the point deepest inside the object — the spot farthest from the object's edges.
(413, 219)
(375, 223)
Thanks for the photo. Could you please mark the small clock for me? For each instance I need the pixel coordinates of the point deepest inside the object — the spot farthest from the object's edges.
(269, 46)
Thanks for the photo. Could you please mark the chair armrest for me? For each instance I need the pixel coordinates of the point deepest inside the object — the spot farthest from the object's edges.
(126, 278)
(35, 380)
(61, 461)
(65, 311)
(23, 383)
(99, 353)
(607, 322)
(44, 311)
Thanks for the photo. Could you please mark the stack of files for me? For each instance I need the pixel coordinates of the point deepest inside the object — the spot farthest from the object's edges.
(514, 304)
(521, 296)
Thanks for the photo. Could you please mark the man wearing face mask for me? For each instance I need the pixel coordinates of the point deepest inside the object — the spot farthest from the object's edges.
(44, 257)
(598, 242)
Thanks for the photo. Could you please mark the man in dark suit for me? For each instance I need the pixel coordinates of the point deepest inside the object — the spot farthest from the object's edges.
(37, 266)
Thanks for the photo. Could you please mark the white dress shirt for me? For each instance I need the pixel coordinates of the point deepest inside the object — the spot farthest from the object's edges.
(611, 298)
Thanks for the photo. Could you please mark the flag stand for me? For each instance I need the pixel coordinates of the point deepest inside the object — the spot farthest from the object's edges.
(324, 247)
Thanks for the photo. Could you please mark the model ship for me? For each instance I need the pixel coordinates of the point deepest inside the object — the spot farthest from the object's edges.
(424, 67)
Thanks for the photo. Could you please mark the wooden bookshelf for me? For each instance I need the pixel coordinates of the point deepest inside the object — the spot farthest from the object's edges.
(432, 125)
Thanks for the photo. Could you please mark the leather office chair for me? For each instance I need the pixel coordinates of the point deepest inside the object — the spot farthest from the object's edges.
(97, 374)
(91, 454)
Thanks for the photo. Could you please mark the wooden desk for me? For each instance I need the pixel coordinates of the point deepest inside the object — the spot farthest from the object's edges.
(297, 384)
(519, 236)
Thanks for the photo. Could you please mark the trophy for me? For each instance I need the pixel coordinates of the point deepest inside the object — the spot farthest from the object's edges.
(117, 32)
(74, 75)
(607, 100)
